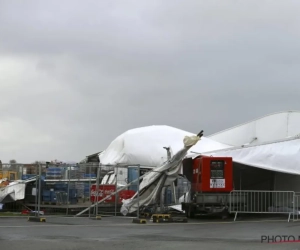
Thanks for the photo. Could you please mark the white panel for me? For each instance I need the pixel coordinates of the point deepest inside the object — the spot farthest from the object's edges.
(271, 128)
(280, 157)
(122, 175)
(294, 124)
(236, 136)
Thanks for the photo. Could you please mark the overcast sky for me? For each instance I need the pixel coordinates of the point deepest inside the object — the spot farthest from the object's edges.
(76, 74)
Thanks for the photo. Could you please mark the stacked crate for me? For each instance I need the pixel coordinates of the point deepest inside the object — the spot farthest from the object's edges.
(87, 185)
(77, 173)
(53, 173)
(48, 196)
(27, 176)
(79, 186)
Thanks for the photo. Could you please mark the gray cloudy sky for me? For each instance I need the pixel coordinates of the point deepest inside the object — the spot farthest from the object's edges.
(76, 74)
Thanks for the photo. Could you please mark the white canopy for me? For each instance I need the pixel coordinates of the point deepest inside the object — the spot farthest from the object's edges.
(278, 126)
(144, 146)
(271, 143)
(281, 156)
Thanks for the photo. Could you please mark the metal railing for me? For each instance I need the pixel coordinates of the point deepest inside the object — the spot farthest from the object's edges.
(60, 189)
(262, 202)
(296, 206)
(69, 189)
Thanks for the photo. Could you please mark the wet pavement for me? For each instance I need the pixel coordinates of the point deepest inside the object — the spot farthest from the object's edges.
(120, 233)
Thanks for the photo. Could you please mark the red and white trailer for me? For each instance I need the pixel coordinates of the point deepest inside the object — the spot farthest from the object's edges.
(211, 184)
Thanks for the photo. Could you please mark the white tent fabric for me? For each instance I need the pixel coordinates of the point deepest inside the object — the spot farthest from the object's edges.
(281, 156)
(144, 146)
(13, 192)
(273, 127)
(164, 175)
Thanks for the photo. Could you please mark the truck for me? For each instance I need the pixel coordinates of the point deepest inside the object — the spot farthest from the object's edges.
(211, 183)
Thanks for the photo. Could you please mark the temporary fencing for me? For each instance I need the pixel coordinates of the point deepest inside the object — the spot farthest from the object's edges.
(263, 202)
(68, 189)
(89, 189)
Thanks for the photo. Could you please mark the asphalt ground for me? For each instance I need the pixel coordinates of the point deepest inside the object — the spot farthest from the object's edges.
(120, 233)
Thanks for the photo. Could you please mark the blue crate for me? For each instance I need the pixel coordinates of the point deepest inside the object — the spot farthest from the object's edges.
(27, 176)
(72, 193)
(46, 192)
(90, 175)
(73, 201)
(60, 186)
(61, 189)
(54, 170)
(53, 194)
(46, 198)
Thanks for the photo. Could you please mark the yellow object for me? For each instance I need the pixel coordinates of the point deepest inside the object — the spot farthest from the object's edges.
(10, 175)
(36, 219)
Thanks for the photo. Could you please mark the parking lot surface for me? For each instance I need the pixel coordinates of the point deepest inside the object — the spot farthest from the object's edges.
(120, 233)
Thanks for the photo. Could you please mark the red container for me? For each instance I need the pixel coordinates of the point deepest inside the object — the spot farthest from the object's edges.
(212, 174)
(102, 192)
(106, 190)
(126, 194)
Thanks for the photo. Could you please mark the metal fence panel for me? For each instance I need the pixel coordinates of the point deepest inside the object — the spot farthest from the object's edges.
(296, 206)
(55, 188)
(257, 201)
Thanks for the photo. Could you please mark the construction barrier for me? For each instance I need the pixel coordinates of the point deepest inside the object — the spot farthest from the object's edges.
(36, 219)
(139, 221)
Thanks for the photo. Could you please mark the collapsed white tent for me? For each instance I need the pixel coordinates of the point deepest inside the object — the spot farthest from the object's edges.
(271, 142)
(280, 156)
(164, 175)
(269, 128)
(144, 146)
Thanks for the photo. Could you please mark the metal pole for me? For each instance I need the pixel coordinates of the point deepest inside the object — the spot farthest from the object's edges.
(138, 190)
(68, 195)
(97, 188)
(100, 178)
(90, 189)
(36, 190)
(116, 188)
(40, 187)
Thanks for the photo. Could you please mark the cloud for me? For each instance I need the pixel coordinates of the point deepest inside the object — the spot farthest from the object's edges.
(75, 75)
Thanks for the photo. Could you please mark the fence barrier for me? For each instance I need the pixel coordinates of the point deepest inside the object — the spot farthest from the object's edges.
(68, 189)
(296, 204)
(262, 202)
